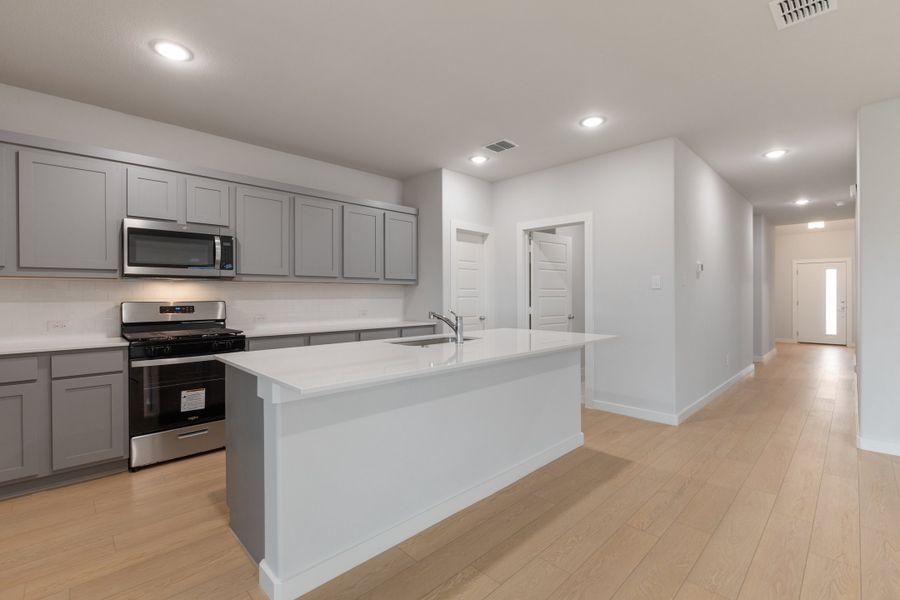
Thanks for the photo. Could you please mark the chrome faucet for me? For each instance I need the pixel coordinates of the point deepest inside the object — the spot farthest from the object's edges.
(456, 325)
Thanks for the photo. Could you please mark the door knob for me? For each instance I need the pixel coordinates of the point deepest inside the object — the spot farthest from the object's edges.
(571, 317)
(481, 318)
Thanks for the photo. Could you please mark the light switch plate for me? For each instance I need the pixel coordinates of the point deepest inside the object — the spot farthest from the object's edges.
(656, 282)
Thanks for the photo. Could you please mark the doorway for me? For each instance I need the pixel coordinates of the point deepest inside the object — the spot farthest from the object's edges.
(821, 301)
(470, 277)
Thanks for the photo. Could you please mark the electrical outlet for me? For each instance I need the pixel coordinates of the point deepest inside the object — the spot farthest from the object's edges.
(727, 360)
(258, 318)
(56, 325)
(656, 282)
(363, 312)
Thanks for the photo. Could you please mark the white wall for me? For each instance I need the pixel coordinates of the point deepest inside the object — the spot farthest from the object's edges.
(91, 306)
(713, 310)
(763, 286)
(796, 242)
(630, 194)
(878, 216)
(425, 193)
(467, 199)
(33, 113)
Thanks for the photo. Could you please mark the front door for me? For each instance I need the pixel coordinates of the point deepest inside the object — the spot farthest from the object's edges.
(821, 302)
(551, 282)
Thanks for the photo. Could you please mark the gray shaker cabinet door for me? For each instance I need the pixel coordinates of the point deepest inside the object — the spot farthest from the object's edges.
(400, 241)
(88, 415)
(263, 232)
(363, 242)
(207, 202)
(19, 431)
(70, 211)
(317, 237)
(152, 194)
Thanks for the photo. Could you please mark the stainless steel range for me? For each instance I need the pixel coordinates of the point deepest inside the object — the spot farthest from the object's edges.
(176, 393)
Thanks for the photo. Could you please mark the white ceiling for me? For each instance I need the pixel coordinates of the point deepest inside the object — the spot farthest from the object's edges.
(399, 87)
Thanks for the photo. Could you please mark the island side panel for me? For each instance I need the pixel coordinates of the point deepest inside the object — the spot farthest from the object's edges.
(354, 473)
(244, 461)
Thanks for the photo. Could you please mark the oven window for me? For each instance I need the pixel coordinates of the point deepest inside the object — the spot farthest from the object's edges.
(150, 248)
(168, 396)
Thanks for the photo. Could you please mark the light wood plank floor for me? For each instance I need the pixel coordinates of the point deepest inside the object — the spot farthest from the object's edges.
(762, 495)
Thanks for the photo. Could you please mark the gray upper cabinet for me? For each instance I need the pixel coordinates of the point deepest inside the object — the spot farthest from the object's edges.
(263, 232)
(400, 239)
(207, 202)
(88, 421)
(317, 237)
(363, 242)
(69, 212)
(152, 194)
(20, 425)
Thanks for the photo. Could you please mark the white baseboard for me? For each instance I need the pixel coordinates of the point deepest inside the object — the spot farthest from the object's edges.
(645, 414)
(882, 447)
(299, 584)
(785, 341)
(766, 356)
(657, 416)
(710, 396)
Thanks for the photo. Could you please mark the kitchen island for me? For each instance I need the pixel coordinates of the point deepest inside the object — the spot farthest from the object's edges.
(337, 453)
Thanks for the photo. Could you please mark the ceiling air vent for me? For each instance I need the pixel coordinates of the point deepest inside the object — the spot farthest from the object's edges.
(501, 146)
(792, 12)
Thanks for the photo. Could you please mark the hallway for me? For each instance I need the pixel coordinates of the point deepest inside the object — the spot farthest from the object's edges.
(761, 495)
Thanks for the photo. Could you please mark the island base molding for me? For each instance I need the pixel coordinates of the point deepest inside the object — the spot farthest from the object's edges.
(317, 486)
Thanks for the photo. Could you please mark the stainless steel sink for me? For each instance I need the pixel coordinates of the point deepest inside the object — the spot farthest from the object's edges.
(431, 341)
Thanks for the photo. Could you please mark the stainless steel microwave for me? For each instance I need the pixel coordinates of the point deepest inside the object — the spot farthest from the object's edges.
(156, 249)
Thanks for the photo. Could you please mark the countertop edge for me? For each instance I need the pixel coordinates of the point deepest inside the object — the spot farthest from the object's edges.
(310, 393)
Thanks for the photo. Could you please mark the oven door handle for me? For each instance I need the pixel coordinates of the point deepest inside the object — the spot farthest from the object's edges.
(179, 360)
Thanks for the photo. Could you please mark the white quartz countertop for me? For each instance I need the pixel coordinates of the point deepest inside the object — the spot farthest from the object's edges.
(273, 330)
(319, 370)
(57, 343)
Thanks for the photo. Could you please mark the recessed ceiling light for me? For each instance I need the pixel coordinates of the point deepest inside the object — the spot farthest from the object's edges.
(171, 50)
(816, 225)
(801, 202)
(478, 159)
(592, 121)
(776, 153)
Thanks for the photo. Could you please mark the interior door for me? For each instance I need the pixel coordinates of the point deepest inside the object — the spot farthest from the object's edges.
(822, 302)
(469, 292)
(551, 282)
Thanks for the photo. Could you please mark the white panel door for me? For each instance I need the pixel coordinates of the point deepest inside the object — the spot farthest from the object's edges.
(469, 292)
(551, 282)
(822, 303)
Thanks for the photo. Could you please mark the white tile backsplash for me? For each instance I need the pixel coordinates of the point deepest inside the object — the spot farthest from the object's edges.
(91, 306)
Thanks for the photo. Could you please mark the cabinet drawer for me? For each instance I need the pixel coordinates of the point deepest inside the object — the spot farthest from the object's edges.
(333, 338)
(20, 369)
(414, 331)
(280, 341)
(87, 363)
(378, 334)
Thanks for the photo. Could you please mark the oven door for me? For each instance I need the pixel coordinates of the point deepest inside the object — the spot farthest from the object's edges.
(159, 249)
(167, 393)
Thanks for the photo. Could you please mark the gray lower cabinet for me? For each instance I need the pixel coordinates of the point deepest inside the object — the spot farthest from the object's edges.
(263, 232)
(152, 194)
(317, 237)
(207, 202)
(400, 241)
(417, 330)
(378, 334)
(20, 424)
(69, 212)
(363, 242)
(319, 339)
(88, 422)
(277, 341)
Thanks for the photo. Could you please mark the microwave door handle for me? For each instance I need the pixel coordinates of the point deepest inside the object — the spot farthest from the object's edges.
(218, 242)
